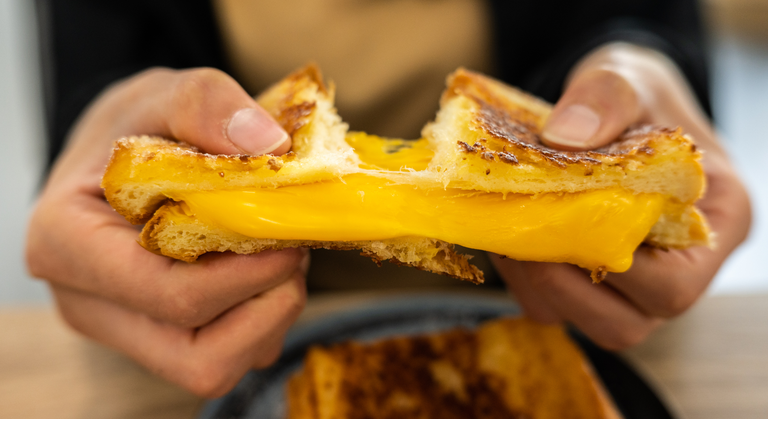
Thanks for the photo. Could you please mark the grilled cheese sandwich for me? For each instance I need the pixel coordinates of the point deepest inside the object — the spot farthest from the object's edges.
(506, 368)
(479, 177)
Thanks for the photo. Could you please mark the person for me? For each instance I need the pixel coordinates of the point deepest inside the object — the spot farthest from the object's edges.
(166, 68)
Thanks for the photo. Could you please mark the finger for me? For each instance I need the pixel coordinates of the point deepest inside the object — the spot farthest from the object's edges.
(597, 310)
(209, 109)
(182, 293)
(209, 361)
(666, 283)
(204, 107)
(516, 281)
(595, 109)
(264, 319)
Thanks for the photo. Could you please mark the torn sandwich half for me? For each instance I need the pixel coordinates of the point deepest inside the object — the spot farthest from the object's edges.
(479, 177)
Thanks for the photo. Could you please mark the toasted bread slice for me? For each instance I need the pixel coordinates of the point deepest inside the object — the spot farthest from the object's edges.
(485, 140)
(489, 125)
(142, 170)
(496, 129)
(508, 368)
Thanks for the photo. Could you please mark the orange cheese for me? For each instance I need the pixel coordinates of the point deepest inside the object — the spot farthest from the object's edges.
(390, 154)
(590, 229)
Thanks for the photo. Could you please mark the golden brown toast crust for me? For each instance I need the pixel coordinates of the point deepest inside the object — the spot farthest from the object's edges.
(500, 128)
(287, 106)
(519, 125)
(134, 158)
(508, 368)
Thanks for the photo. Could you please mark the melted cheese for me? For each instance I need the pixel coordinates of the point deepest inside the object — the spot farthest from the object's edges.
(390, 154)
(590, 229)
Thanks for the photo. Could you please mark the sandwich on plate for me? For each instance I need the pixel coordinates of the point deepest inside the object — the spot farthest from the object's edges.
(506, 368)
(479, 177)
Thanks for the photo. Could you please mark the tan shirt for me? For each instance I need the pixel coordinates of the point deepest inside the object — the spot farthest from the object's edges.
(389, 60)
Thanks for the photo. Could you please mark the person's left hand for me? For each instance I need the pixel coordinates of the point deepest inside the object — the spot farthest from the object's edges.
(614, 87)
(200, 325)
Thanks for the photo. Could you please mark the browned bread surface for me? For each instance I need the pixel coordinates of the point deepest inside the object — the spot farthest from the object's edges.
(142, 169)
(508, 368)
(493, 128)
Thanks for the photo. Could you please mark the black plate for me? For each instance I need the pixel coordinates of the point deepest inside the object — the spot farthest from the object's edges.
(260, 394)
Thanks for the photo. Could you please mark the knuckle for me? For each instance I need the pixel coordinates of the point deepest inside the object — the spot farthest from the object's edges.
(154, 73)
(298, 298)
(268, 357)
(197, 85)
(180, 307)
(35, 255)
(295, 299)
(291, 297)
(624, 337)
(544, 280)
(611, 79)
(679, 294)
(678, 299)
(208, 379)
(207, 75)
(69, 318)
(195, 95)
(540, 279)
(606, 89)
(132, 87)
(69, 314)
(35, 265)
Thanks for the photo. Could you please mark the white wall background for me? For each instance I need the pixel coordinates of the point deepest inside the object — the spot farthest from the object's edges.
(740, 101)
(740, 73)
(21, 146)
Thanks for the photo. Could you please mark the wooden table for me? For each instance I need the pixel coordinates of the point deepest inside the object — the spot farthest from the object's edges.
(713, 362)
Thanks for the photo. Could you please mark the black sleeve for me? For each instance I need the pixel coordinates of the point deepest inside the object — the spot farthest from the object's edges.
(538, 42)
(88, 44)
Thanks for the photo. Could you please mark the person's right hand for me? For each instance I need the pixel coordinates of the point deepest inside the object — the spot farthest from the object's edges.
(201, 325)
(614, 87)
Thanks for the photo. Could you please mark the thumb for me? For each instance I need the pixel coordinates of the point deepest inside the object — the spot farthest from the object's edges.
(209, 109)
(595, 109)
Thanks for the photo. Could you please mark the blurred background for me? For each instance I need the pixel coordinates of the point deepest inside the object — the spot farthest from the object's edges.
(739, 60)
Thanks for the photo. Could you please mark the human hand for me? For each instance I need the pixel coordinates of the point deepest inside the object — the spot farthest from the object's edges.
(200, 325)
(612, 88)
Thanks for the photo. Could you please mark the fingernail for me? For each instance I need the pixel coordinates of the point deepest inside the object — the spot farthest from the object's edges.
(254, 132)
(573, 126)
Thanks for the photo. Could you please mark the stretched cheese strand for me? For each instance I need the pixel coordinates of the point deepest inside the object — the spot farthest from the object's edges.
(590, 229)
